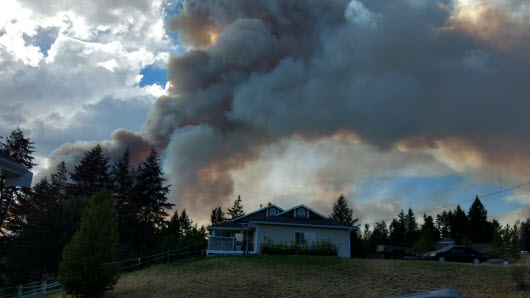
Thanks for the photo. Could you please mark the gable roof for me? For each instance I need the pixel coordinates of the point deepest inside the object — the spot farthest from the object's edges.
(316, 221)
(302, 206)
(259, 210)
(303, 221)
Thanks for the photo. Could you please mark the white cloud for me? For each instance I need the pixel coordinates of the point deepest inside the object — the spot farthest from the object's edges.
(95, 56)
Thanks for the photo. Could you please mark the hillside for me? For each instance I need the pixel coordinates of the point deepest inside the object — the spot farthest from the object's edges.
(265, 276)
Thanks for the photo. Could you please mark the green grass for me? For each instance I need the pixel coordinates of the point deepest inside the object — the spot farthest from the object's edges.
(294, 276)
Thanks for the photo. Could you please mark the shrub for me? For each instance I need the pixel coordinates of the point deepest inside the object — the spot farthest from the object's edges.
(83, 270)
(319, 248)
(520, 274)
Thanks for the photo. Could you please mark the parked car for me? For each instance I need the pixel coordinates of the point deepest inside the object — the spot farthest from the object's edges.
(456, 254)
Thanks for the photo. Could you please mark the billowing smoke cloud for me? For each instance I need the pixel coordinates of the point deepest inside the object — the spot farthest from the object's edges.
(431, 76)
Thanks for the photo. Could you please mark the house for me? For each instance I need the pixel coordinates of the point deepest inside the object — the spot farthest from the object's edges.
(243, 235)
(16, 174)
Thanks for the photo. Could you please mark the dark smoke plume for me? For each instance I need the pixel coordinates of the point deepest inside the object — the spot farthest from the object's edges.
(413, 74)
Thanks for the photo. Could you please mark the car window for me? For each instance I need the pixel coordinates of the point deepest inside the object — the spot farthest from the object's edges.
(457, 250)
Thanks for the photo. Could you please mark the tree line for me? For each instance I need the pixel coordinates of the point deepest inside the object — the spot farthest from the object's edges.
(465, 228)
(37, 223)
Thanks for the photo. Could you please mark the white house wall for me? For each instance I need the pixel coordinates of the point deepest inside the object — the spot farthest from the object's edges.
(285, 234)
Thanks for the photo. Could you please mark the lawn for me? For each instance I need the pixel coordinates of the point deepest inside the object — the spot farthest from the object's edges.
(295, 276)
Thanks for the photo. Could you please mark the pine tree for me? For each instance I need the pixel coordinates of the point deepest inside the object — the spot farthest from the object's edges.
(83, 270)
(525, 235)
(14, 203)
(59, 182)
(411, 228)
(429, 234)
(186, 225)
(459, 226)
(217, 216)
(479, 228)
(443, 222)
(91, 174)
(122, 182)
(237, 209)
(398, 230)
(19, 148)
(380, 233)
(342, 212)
(174, 226)
(150, 202)
(150, 192)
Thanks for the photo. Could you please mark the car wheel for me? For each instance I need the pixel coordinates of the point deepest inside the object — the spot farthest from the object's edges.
(476, 261)
(441, 259)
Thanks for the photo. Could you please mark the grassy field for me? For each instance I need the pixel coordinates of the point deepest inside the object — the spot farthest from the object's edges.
(302, 276)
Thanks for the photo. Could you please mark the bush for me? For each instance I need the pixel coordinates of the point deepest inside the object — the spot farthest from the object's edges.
(319, 248)
(520, 274)
(83, 270)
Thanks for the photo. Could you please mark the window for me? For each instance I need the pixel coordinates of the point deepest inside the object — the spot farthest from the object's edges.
(300, 212)
(272, 211)
(299, 238)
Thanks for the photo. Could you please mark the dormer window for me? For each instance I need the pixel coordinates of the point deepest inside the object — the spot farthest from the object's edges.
(272, 211)
(301, 212)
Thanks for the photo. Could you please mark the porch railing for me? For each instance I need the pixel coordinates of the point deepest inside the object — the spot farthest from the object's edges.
(221, 243)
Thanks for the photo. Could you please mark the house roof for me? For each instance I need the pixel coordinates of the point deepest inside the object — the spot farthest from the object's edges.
(316, 221)
(302, 221)
(259, 210)
(303, 206)
(228, 225)
(5, 156)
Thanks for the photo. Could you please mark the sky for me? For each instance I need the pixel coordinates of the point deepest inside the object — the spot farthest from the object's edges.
(395, 104)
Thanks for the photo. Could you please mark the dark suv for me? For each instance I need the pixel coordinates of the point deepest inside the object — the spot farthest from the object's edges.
(456, 254)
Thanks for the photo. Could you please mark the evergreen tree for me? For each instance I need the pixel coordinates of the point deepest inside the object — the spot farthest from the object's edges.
(59, 182)
(122, 182)
(380, 233)
(525, 235)
(14, 203)
(83, 270)
(459, 226)
(217, 216)
(186, 225)
(150, 201)
(128, 221)
(39, 240)
(443, 222)
(237, 209)
(398, 230)
(342, 212)
(479, 228)
(174, 227)
(19, 148)
(429, 235)
(411, 228)
(91, 174)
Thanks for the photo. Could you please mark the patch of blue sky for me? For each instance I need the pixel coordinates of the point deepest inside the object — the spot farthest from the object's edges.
(153, 75)
(421, 193)
(172, 8)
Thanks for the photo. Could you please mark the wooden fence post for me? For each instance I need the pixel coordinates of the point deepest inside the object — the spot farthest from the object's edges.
(44, 287)
(19, 294)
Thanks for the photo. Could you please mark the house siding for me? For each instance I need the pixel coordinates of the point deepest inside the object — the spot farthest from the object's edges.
(285, 234)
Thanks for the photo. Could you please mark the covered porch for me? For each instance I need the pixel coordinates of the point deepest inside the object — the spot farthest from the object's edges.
(231, 242)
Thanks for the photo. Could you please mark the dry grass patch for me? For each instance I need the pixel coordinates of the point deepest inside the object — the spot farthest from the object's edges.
(295, 276)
